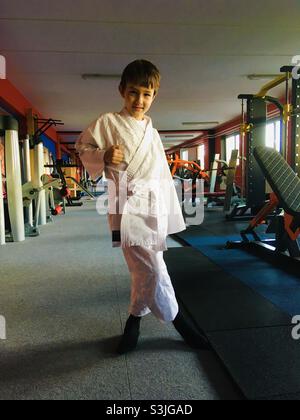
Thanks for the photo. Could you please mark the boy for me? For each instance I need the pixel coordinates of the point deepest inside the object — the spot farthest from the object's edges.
(130, 151)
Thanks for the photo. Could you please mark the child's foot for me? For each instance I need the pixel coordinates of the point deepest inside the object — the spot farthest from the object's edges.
(194, 337)
(131, 335)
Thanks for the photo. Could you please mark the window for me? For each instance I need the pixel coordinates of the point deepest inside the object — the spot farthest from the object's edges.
(201, 155)
(273, 135)
(184, 155)
(232, 143)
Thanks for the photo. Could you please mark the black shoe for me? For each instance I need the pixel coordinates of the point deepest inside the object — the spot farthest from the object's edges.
(193, 336)
(131, 334)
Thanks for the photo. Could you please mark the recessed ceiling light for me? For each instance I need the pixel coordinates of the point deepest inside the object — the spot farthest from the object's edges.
(178, 136)
(88, 76)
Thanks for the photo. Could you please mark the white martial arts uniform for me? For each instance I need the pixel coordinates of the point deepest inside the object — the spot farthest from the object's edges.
(143, 205)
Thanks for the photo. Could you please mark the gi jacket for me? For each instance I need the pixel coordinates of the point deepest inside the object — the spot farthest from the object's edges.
(143, 203)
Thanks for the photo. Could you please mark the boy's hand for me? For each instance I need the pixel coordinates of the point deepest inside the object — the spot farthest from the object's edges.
(114, 155)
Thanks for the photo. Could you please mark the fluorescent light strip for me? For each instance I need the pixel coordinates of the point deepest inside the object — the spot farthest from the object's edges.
(201, 123)
(100, 76)
(179, 136)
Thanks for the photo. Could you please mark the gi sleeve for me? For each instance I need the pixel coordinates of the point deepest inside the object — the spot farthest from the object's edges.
(92, 146)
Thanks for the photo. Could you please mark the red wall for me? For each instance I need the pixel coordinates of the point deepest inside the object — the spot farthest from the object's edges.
(12, 100)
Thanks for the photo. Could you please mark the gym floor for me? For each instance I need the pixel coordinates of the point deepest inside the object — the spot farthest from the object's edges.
(244, 303)
(65, 297)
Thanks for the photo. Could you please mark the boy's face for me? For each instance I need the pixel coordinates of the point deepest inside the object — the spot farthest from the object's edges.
(138, 100)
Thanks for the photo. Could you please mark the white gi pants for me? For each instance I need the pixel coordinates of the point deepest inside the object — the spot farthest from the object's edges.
(151, 287)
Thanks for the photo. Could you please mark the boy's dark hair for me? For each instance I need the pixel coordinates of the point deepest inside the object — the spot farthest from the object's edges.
(142, 73)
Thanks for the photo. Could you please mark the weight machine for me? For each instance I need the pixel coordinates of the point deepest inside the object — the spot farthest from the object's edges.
(285, 200)
(16, 208)
(227, 173)
(253, 132)
(36, 127)
(31, 192)
(188, 173)
(284, 180)
(65, 194)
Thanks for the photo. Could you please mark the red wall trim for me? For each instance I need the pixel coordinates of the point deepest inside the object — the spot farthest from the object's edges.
(12, 100)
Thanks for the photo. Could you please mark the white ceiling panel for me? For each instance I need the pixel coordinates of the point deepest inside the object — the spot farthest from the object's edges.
(120, 38)
(204, 50)
(231, 12)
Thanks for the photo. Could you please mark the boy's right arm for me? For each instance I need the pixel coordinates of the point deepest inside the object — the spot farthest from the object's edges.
(95, 151)
(92, 147)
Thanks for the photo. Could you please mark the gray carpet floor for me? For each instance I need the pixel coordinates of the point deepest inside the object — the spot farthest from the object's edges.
(65, 297)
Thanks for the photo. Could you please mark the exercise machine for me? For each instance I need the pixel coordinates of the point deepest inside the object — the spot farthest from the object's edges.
(188, 174)
(81, 187)
(253, 131)
(187, 169)
(65, 193)
(285, 199)
(36, 127)
(225, 174)
(284, 203)
(32, 192)
(25, 205)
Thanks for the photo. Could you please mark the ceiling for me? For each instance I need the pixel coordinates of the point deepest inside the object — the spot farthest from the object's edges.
(204, 50)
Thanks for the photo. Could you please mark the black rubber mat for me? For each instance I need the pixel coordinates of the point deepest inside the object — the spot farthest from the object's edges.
(215, 300)
(251, 336)
(264, 362)
(214, 224)
(285, 397)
